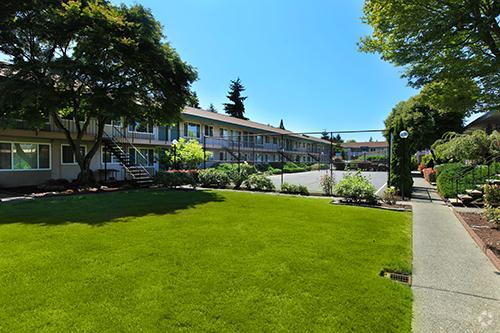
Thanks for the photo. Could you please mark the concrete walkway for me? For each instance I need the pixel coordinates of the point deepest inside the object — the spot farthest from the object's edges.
(455, 287)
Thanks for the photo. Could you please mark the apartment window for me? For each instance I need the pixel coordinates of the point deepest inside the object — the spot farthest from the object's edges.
(24, 156)
(221, 156)
(67, 155)
(192, 130)
(275, 140)
(140, 127)
(223, 132)
(147, 156)
(258, 139)
(5, 156)
(209, 130)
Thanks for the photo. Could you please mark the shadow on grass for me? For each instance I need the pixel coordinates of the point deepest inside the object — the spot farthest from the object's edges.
(106, 208)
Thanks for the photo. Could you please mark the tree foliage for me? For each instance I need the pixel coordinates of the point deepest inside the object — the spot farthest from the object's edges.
(87, 61)
(193, 100)
(476, 147)
(236, 107)
(439, 41)
(212, 108)
(400, 163)
(185, 155)
(424, 123)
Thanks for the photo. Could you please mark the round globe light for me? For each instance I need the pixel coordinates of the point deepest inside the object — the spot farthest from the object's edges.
(403, 134)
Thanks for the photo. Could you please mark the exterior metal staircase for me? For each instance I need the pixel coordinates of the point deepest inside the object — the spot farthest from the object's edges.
(286, 156)
(139, 175)
(315, 158)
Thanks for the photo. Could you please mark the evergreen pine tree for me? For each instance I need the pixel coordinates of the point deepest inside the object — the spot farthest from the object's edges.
(236, 108)
(193, 100)
(281, 125)
(212, 108)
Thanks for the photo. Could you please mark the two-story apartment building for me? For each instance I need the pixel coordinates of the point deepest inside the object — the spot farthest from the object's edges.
(30, 157)
(360, 150)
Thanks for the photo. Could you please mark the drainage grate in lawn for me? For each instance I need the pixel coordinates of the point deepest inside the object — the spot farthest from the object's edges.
(398, 277)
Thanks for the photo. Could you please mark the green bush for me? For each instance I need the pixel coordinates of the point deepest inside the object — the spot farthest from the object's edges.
(449, 173)
(172, 179)
(294, 189)
(339, 164)
(213, 178)
(319, 166)
(291, 167)
(377, 158)
(259, 182)
(237, 174)
(327, 183)
(356, 188)
(389, 195)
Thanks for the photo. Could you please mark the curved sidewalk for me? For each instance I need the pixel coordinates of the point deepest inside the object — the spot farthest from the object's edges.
(455, 287)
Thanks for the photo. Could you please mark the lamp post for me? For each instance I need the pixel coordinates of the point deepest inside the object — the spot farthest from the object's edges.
(174, 147)
(403, 135)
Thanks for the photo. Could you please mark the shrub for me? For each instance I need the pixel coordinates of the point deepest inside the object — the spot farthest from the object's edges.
(339, 164)
(259, 182)
(377, 158)
(389, 195)
(294, 189)
(175, 178)
(319, 166)
(213, 178)
(237, 174)
(429, 175)
(491, 201)
(356, 188)
(449, 173)
(291, 167)
(327, 183)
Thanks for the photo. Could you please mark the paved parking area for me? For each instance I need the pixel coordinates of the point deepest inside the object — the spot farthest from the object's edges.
(311, 179)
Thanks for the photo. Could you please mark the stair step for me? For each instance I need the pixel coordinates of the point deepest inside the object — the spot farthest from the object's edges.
(465, 198)
(493, 181)
(456, 201)
(474, 193)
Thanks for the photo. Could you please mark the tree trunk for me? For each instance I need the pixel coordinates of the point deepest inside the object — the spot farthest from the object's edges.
(86, 176)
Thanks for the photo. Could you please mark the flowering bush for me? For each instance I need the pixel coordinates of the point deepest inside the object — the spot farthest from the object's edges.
(390, 196)
(429, 175)
(259, 182)
(213, 178)
(492, 201)
(354, 187)
(237, 174)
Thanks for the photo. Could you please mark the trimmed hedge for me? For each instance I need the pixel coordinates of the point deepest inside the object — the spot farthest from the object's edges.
(259, 182)
(214, 178)
(175, 178)
(449, 173)
(294, 189)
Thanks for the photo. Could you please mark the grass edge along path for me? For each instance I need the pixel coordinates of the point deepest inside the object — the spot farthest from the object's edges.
(201, 261)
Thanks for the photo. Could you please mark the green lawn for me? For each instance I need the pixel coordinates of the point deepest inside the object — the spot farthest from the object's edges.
(201, 261)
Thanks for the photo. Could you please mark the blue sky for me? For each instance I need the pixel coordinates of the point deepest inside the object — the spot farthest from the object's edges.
(298, 60)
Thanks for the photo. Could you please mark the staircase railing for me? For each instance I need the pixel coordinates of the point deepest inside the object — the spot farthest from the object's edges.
(118, 133)
(476, 174)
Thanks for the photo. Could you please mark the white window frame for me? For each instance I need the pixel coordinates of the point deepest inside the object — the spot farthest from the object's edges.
(210, 131)
(75, 162)
(37, 156)
(186, 134)
(135, 126)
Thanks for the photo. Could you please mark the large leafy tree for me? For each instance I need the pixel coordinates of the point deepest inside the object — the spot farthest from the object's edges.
(89, 61)
(236, 107)
(439, 41)
(424, 123)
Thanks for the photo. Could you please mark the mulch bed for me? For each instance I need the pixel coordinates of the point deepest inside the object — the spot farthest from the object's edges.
(480, 226)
